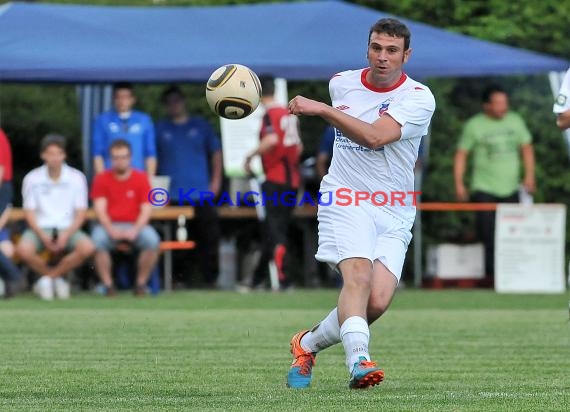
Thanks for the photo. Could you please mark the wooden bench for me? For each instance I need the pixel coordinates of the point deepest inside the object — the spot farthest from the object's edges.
(305, 215)
(166, 247)
(158, 213)
(239, 212)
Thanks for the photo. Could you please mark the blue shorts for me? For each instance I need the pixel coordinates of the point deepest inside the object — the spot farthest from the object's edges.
(147, 238)
(4, 235)
(5, 195)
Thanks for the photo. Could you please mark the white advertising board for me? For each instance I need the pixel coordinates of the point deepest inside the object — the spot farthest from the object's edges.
(240, 137)
(529, 248)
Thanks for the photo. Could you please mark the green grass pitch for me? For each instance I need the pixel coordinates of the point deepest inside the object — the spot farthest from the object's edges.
(441, 351)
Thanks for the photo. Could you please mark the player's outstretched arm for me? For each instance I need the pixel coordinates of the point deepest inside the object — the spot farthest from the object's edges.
(563, 120)
(372, 136)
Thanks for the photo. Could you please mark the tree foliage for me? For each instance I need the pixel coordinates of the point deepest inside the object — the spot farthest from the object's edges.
(536, 25)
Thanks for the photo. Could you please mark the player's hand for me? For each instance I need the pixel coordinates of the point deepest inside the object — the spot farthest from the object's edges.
(247, 166)
(529, 184)
(62, 240)
(461, 193)
(115, 234)
(48, 243)
(215, 187)
(130, 234)
(302, 105)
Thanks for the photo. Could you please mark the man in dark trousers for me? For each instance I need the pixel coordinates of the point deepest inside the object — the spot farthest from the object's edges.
(280, 149)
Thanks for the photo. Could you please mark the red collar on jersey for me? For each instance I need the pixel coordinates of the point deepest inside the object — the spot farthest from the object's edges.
(370, 86)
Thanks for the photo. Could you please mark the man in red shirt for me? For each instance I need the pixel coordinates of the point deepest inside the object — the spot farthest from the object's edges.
(120, 200)
(5, 172)
(8, 271)
(280, 149)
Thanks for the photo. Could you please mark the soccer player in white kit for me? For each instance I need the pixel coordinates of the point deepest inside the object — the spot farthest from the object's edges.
(380, 116)
(562, 104)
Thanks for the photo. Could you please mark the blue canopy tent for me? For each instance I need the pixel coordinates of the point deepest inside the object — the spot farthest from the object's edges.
(91, 45)
(296, 41)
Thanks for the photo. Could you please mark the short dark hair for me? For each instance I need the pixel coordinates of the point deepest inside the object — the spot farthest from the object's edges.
(172, 90)
(122, 86)
(267, 84)
(119, 143)
(52, 139)
(391, 27)
(490, 90)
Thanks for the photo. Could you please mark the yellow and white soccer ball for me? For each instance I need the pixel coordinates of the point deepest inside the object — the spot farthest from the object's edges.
(233, 91)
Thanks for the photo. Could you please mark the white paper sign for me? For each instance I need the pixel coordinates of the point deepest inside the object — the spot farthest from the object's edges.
(529, 248)
(241, 137)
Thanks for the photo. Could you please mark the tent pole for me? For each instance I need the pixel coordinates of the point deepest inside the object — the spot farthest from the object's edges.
(417, 232)
(421, 166)
(85, 92)
(418, 249)
(93, 99)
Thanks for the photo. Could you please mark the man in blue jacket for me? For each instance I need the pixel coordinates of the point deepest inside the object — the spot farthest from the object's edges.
(122, 122)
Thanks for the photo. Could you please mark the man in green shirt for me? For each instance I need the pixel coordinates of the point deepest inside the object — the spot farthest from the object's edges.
(497, 139)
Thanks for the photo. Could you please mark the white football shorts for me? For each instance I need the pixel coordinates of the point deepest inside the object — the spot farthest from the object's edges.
(365, 231)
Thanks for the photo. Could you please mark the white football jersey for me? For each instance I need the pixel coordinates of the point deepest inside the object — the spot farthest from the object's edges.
(562, 102)
(389, 169)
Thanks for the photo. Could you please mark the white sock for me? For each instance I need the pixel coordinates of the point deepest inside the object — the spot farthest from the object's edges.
(323, 335)
(355, 336)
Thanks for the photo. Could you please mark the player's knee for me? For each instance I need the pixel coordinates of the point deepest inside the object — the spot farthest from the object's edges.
(85, 248)
(24, 250)
(376, 307)
(356, 274)
(7, 248)
(358, 280)
(101, 255)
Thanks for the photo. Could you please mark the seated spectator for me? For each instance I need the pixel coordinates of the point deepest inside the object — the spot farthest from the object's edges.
(122, 122)
(120, 199)
(9, 273)
(5, 172)
(55, 203)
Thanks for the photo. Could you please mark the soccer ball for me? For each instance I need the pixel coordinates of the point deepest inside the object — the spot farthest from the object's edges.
(233, 91)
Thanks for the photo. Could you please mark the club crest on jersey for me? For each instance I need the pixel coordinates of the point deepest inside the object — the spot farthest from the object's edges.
(383, 108)
(561, 100)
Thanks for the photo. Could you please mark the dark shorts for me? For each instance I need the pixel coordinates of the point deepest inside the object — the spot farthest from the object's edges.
(279, 215)
(6, 194)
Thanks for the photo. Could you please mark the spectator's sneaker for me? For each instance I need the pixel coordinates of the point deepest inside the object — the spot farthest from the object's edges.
(140, 291)
(110, 291)
(44, 288)
(364, 374)
(62, 288)
(243, 288)
(286, 286)
(300, 374)
(8, 290)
